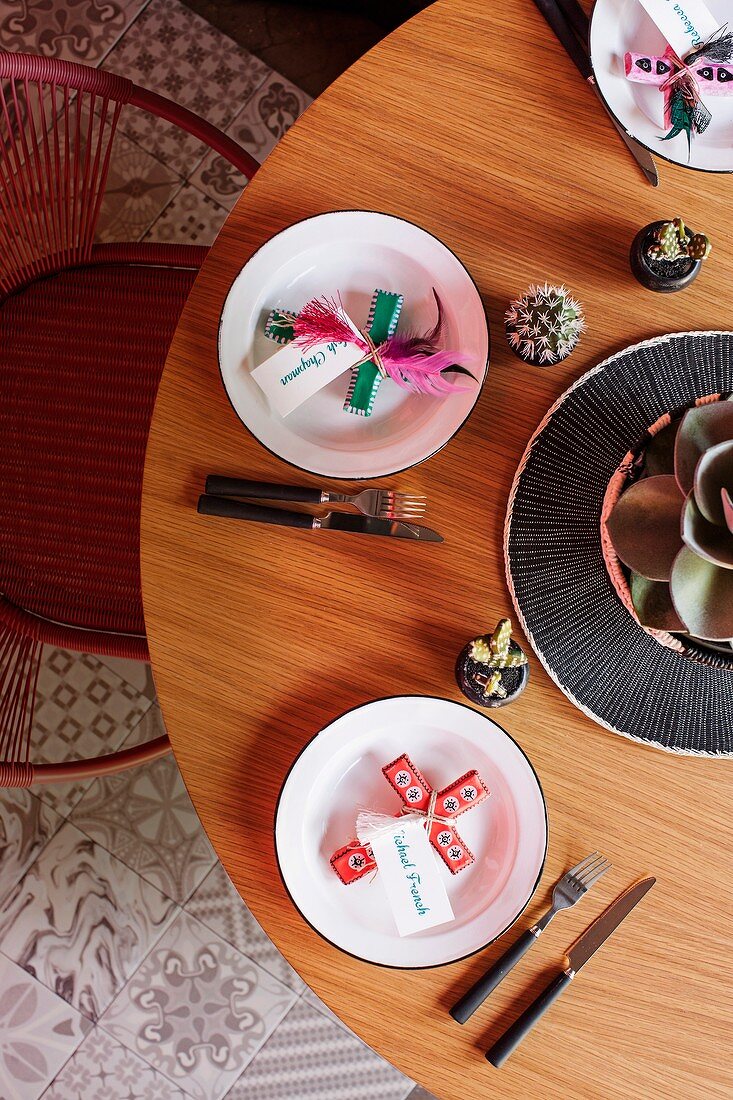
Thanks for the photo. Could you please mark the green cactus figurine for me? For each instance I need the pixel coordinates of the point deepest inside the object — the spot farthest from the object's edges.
(544, 325)
(672, 240)
(492, 670)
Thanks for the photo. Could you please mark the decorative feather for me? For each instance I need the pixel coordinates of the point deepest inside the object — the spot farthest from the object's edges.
(412, 360)
(322, 321)
(718, 48)
(681, 115)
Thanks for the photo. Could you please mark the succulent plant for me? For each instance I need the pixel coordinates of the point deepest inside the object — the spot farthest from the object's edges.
(544, 325)
(673, 240)
(673, 528)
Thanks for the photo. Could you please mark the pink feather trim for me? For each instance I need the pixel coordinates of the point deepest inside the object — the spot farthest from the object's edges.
(414, 360)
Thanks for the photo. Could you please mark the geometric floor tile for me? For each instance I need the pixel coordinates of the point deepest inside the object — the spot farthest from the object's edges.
(191, 216)
(83, 710)
(310, 1058)
(102, 1069)
(315, 1002)
(218, 905)
(137, 673)
(197, 1010)
(174, 52)
(258, 127)
(138, 188)
(26, 824)
(145, 817)
(76, 30)
(38, 1032)
(81, 921)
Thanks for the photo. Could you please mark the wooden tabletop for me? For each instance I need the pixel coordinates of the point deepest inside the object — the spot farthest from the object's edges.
(470, 121)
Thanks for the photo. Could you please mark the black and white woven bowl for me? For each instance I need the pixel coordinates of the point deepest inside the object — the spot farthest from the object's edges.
(603, 660)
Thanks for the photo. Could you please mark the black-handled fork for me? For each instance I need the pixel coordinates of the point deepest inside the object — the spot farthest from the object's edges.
(381, 503)
(569, 889)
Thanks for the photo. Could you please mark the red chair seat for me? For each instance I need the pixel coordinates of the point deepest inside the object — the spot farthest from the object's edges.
(81, 355)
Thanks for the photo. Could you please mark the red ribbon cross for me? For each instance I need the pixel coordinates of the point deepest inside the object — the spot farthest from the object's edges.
(355, 859)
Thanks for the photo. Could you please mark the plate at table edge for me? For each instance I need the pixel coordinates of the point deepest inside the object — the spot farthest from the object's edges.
(386, 798)
(341, 467)
(605, 79)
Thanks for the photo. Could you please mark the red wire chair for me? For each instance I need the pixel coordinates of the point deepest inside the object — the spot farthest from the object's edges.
(84, 332)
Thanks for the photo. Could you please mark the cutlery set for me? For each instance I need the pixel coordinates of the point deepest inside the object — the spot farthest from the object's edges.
(380, 511)
(568, 890)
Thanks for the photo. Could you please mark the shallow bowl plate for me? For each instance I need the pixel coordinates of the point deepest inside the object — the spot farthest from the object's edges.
(352, 253)
(340, 770)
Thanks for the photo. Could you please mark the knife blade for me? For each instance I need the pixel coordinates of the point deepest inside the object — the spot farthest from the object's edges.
(578, 954)
(333, 521)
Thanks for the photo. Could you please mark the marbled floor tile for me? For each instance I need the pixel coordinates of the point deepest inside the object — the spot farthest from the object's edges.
(190, 218)
(26, 824)
(75, 30)
(257, 128)
(197, 1010)
(174, 52)
(310, 1058)
(38, 1032)
(218, 905)
(81, 921)
(83, 710)
(138, 188)
(102, 1069)
(145, 817)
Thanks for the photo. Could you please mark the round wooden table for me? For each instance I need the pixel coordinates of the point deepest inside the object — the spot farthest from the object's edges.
(471, 121)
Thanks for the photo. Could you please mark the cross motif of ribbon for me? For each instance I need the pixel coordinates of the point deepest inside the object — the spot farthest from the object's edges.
(706, 69)
(439, 808)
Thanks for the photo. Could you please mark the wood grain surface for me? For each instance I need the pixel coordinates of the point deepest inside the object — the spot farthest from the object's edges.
(258, 640)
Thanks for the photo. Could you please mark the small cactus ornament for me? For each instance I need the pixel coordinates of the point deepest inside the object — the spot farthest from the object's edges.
(672, 241)
(492, 670)
(544, 325)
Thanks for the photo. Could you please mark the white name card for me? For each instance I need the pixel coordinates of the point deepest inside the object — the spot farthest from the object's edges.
(409, 872)
(292, 375)
(684, 23)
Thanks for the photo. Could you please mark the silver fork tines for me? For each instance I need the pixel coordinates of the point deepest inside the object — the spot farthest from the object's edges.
(571, 887)
(382, 503)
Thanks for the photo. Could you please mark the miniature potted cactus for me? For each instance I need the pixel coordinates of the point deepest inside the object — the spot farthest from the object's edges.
(672, 528)
(666, 256)
(493, 670)
(544, 325)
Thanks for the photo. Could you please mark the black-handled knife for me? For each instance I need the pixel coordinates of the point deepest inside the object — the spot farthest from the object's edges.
(570, 25)
(578, 954)
(333, 521)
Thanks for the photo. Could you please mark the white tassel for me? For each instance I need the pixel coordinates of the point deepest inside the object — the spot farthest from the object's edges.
(370, 822)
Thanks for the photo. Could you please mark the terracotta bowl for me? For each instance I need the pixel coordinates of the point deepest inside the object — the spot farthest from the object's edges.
(695, 649)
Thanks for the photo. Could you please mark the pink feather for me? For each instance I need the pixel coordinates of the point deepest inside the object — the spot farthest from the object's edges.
(320, 321)
(413, 360)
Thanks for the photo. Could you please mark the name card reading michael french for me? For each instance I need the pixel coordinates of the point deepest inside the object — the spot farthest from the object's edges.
(410, 874)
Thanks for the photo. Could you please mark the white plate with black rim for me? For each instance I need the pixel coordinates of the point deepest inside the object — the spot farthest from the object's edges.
(352, 253)
(621, 26)
(340, 771)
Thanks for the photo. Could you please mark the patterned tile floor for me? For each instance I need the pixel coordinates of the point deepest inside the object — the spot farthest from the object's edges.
(130, 969)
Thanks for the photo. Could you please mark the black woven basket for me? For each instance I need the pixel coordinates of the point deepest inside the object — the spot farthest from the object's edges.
(603, 660)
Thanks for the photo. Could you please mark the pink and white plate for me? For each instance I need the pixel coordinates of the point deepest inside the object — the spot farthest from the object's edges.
(340, 771)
